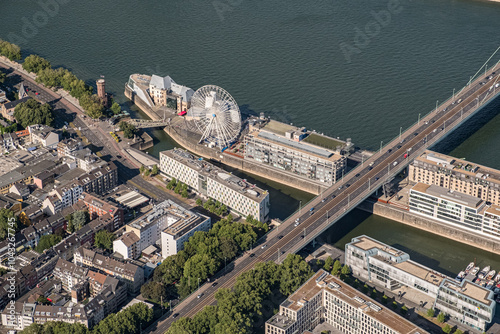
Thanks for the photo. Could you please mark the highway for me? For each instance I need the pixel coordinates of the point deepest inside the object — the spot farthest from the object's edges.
(339, 199)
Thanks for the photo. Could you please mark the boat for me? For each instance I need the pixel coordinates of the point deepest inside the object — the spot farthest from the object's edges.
(497, 277)
(469, 267)
(490, 275)
(490, 285)
(474, 271)
(484, 272)
(460, 276)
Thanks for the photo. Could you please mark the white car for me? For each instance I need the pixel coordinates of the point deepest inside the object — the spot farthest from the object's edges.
(263, 246)
(296, 224)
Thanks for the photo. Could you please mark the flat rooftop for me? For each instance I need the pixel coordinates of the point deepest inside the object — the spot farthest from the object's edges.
(449, 195)
(366, 243)
(467, 168)
(471, 290)
(420, 271)
(205, 168)
(324, 281)
(279, 128)
(132, 199)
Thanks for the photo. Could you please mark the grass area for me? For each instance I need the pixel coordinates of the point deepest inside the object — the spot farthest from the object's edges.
(278, 127)
(323, 141)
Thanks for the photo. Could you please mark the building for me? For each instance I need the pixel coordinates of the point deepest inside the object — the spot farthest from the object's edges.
(24, 174)
(69, 273)
(286, 150)
(66, 147)
(165, 92)
(52, 205)
(98, 207)
(324, 298)
(383, 265)
(130, 274)
(101, 179)
(43, 135)
(7, 109)
(454, 208)
(457, 175)
(9, 141)
(20, 189)
(181, 225)
(237, 194)
(126, 245)
(101, 92)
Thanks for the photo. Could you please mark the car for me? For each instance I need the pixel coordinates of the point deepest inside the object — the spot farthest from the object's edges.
(389, 151)
(416, 133)
(296, 224)
(395, 163)
(302, 236)
(333, 196)
(434, 130)
(497, 85)
(297, 220)
(340, 187)
(357, 175)
(426, 122)
(347, 185)
(175, 315)
(460, 100)
(118, 156)
(214, 284)
(263, 246)
(399, 146)
(252, 255)
(376, 179)
(280, 237)
(323, 200)
(200, 295)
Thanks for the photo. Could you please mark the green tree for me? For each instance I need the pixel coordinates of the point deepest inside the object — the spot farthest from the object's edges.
(394, 305)
(172, 183)
(328, 264)
(32, 112)
(92, 105)
(70, 228)
(374, 293)
(458, 331)
(155, 170)
(115, 108)
(142, 169)
(178, 188)
(346, 271)
(80, 218)
(184, 193)
(35, 64)
(154, 291)
(441, 317)
(43, 300)
(8, 223)
(47, 241)
(336, 267)
(384, 299)
(294, 272)
(9, 50)
(431, 313)
(128, 129)
(199, 202)
(104, 240)
(404, 310)
(447, 329)
(147, 172)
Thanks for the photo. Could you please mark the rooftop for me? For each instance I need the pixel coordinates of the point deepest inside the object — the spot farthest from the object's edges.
(449, 195)
(366, 243)
(470, 290)
(132, 199)
(203, 167)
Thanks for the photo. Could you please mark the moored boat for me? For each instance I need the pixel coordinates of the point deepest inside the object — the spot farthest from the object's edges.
(469, 267)
(490, 285)
(474, 271)
(497, 277)
(490, 275)
(484, 272)
(460, 276)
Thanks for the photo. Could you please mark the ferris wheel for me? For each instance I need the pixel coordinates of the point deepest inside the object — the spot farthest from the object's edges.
(216, 115)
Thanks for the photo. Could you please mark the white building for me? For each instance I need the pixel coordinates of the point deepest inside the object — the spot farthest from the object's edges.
(165, 92)
(324, 298)
(182, 224)
(238, 195)
(44, 135)
(383, 265)
(126, 245)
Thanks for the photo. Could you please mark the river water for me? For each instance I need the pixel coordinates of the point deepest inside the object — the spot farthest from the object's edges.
(288, 59)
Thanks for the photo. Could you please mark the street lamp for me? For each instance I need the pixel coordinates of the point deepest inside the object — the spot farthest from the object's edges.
(381, 146)
(418, 119)
(400, 128)
(437, 101)
(300, 206)
(453, 94)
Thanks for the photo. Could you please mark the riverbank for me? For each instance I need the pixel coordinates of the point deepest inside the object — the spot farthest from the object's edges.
(444, 230)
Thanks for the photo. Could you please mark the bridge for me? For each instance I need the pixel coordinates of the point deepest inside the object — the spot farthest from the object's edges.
(146, 123)
(358, 185)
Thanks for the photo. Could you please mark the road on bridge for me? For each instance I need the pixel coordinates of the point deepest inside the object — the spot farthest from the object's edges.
(324, 210)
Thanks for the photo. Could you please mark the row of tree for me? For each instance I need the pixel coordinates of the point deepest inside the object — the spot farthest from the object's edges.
(257, 223)
(204, 254)
(9, 50)
(131, 320)
(32, 112)
(149, 172)
(47, 241)
(77, 220)
(104, 240)
(178, 187)
(237, 309)
(9, 223)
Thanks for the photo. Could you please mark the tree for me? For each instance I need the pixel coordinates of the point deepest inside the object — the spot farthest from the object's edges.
(384, 299)
(178, 188)
(404, 310)
(42, 300)
(441, 317)
(431, 313)
(184, 193)
(155, 170)
(447, 329)
(172, 183)
(104, 240)
(346, 271)
(8, 223)
(199, 202)
(9, 50)
(336, 267)
(35, 64)
(147, 172)
(32, 112)
(154, 291)
(328, 264)
(47, 241)
(142, 169)
(80, 218)
(458, 331)
(394, 304)
(115, 108)
(128, 129)
(92, 105)
(228, 248)
(374, 293)
(3, 76)
(70, 228)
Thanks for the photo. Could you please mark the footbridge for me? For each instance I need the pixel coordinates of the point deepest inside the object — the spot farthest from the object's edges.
(325, 210)
(146, 123)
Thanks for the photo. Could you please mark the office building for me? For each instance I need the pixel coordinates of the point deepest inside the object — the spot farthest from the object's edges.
(165, 92)
(390, 268)
(237, 194)
(324, 298)
(282, 146)
(457, 175)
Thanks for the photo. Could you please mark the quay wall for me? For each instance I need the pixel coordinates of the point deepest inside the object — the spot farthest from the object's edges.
(184, 139)
(431, 225)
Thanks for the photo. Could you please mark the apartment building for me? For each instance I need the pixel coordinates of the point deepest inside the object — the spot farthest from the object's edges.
(69, 274)
(287, 151)
(324, 298)
(237, 194)
(24, 174)
(455, 208)
(458, 175)
(43, 135)
(181, 225)
(67, 146)
(130, 274)
(126, 245)
(165, 92)
(390, 268)
(98, 207)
